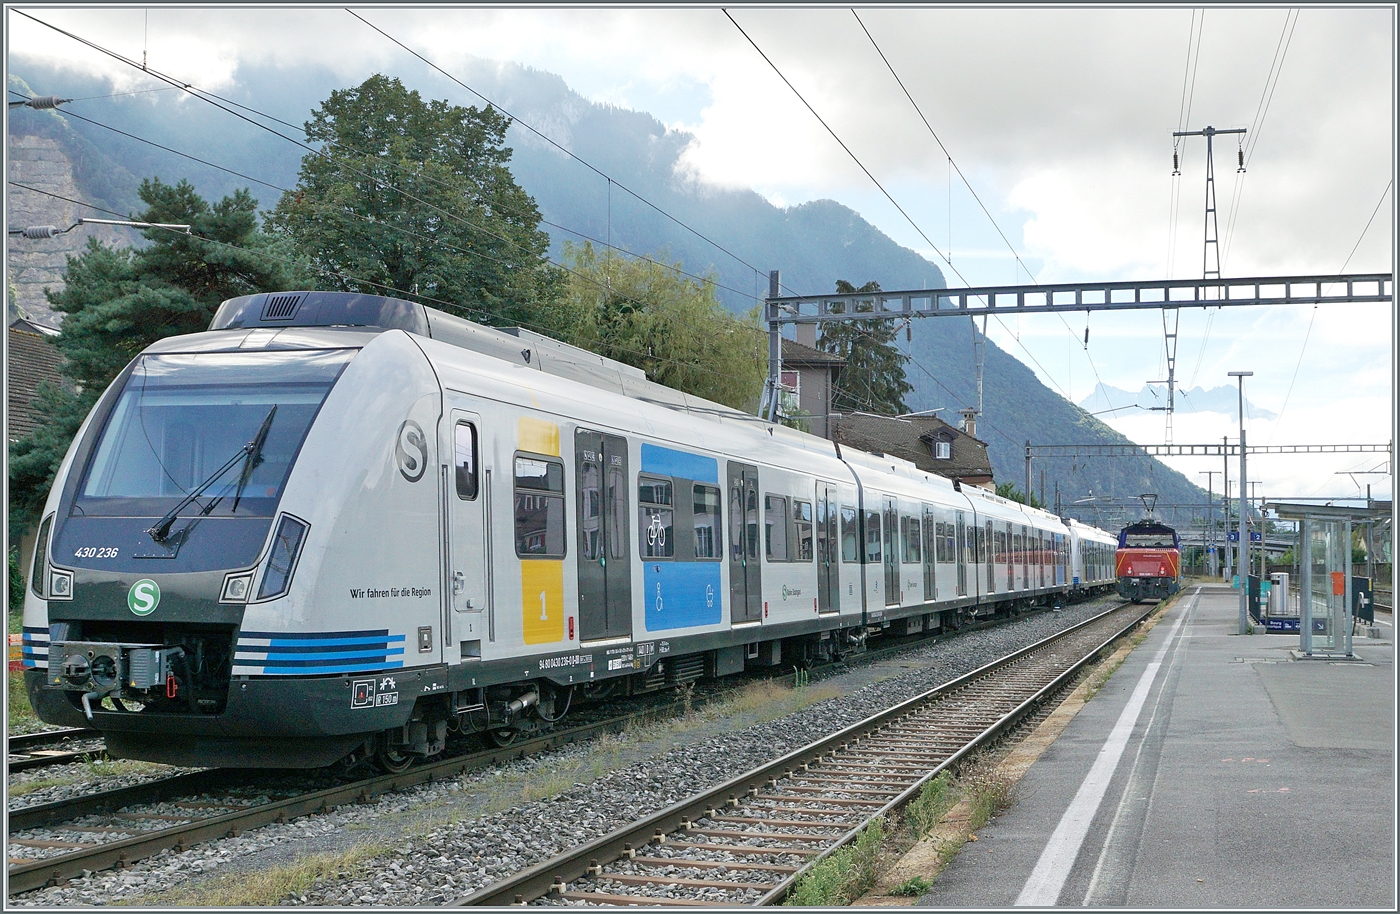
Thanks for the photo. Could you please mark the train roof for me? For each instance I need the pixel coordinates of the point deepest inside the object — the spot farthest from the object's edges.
(1149, 526)
(514, 345)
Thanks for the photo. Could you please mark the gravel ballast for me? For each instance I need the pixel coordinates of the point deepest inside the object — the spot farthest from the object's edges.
(443, 840)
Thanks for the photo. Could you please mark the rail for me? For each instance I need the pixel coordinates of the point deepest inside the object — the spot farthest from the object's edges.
(803, 771)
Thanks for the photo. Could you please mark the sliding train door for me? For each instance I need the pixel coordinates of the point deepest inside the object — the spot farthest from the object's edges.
(466, 496)
(604, 572)
(828, 563)
(745, 570)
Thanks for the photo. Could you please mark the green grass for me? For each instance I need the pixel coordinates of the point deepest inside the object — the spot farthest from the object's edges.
(281, 884)
(912, 888)
(86, 772)
(924, 811)
(22, 717)
(845, 875)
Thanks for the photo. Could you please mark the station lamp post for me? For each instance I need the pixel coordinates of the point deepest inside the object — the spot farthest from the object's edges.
(1242, 562)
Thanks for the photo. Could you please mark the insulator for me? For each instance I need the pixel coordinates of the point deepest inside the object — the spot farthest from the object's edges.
(42, 231)
(1241, 151)
(42, 102)
(1176, 164)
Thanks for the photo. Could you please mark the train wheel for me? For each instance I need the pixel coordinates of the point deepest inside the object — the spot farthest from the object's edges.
(392, 759)
(500, 738)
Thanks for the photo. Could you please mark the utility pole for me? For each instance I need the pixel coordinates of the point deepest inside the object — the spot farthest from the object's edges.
(979, 355)
(1243, 564)
(772, 388)
(1208, 537)
(1210, 267)
(1255, 499)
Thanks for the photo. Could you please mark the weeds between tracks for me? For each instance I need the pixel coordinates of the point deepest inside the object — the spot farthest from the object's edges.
(856, 868)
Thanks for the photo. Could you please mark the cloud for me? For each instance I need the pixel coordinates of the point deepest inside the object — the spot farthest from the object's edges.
(1060, 118)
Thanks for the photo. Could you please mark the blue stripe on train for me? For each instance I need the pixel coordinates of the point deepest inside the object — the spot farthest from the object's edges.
(667, 462)
(379, 653)
(380, 634)
(286, 653)
(344, 668)
(326, 645)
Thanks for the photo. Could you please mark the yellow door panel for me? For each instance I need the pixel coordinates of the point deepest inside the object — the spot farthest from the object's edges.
(542, 600)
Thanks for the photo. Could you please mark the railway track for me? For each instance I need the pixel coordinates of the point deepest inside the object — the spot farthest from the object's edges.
(52, 747)
(748, 840)
(52, 842)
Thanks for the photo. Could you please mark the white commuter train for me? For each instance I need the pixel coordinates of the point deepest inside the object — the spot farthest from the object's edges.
(336, 526)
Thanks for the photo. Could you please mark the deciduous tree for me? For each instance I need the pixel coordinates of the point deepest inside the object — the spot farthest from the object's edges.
(414, 199)
(646, 314)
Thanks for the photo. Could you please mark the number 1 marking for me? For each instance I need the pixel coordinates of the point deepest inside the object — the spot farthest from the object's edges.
(544, 615)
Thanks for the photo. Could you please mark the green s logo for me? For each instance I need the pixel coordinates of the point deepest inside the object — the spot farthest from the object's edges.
(144, 597)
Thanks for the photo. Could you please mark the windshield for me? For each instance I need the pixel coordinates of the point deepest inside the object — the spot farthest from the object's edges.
(182, 417)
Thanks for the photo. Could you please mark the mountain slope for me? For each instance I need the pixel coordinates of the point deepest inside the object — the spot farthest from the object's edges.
(813, 244)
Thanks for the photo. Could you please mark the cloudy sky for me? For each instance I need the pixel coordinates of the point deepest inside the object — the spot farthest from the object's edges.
(1061, 122)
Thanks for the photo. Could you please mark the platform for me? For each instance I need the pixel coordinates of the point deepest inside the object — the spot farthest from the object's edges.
(1212, 770)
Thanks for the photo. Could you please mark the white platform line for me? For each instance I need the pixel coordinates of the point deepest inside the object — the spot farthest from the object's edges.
(1043, 887)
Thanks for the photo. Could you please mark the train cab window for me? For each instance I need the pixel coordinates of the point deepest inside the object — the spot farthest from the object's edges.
(656, 517)
(802, 522)
(850, 535)
(708, 532)
(775, 530)
(539, 508)
(464, 459)
(909, 529)
(872, 537)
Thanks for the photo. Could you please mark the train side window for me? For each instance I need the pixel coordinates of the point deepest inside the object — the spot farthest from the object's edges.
(617, 513)
(910, 532)
(591, 514)
(736, 522)
(930, 547)
(872, 537)
(709, 535)
(802, 520)
(656, 517)
(464, 459)
(850, 535)
(539, 508)
(775, 513)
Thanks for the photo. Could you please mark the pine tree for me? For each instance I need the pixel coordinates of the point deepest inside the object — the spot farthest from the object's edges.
(873, 379)
(118, 301)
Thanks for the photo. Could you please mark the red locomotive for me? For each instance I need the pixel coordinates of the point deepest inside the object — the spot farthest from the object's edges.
(1148, 561)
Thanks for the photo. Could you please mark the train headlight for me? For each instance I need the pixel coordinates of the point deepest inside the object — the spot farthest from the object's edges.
(237, 587)
(282, 559)
(60, 585)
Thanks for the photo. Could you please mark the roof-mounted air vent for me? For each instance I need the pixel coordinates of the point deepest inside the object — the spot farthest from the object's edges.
(281, 307)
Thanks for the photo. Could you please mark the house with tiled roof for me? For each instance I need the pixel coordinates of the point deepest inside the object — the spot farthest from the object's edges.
(32, 359)
(928, 442)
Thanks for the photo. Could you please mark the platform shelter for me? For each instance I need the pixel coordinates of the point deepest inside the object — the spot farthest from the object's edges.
(1324, 564)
